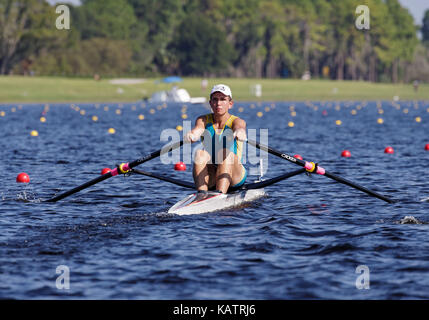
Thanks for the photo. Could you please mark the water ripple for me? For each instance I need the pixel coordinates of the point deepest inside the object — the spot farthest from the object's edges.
(303, 241)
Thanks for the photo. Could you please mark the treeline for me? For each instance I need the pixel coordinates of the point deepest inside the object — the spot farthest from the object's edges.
(231, 38)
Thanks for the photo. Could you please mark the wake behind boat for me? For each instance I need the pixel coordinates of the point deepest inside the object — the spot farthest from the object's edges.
(214, 201)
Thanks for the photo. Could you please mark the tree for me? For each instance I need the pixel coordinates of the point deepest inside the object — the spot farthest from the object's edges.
(113, 19)
(403, 39)
(25, 27)
(200, 47)
(425, 27)
(158, 20)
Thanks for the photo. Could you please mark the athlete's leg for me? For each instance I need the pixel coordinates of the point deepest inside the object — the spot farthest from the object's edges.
(204, 173)
(229, 171)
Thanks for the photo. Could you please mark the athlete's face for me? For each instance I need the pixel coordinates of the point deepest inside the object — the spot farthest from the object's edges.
(220, 103)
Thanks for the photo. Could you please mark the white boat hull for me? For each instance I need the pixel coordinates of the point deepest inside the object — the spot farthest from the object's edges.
(215, 201)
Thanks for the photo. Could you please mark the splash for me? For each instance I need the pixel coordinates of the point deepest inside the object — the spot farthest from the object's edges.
(27, 195)
(410, 220)
(425, 199)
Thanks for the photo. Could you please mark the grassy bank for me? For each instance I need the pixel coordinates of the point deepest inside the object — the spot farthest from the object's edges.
(17, 89)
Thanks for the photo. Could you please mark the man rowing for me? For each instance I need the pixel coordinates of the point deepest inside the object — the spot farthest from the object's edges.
(219, 165)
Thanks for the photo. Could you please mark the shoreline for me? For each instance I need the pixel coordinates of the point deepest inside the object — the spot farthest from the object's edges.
(59, 90)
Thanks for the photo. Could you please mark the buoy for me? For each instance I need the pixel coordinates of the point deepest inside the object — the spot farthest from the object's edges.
(23, 178)
(297, 156)
(105, 170)
(388, 150)
(34, 133)
(324, 112)
(111, 131)
(427, 146)
(180, 166)
(346, 154)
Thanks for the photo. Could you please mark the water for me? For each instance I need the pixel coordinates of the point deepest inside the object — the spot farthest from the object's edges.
(306, 240)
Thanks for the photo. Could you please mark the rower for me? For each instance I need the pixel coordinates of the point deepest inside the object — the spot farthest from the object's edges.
(219, 164)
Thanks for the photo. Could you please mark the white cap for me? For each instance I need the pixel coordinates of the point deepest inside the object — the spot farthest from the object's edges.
(223, 89)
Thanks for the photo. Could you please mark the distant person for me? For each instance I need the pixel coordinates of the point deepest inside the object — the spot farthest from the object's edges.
(218, 166)
(204, 84)
(416, 85)
(306, 76)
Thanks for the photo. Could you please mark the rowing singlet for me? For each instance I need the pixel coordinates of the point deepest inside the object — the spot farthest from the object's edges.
(213, 142)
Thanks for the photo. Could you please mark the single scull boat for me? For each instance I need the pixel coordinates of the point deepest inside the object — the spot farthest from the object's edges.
(195, 203)
(214, 201)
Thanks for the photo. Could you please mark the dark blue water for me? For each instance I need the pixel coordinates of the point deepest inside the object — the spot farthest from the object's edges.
(305, 240)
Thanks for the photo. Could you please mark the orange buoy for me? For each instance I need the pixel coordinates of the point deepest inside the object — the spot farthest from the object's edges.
(427, 146)
(180, 166)
(23, 178)
(297, 156)
(389, 150)
(346, 154)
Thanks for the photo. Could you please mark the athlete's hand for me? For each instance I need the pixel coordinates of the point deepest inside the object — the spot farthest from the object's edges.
(190, 137)
(240, 134)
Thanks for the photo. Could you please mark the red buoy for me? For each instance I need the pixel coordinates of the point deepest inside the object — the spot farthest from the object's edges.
(23, 178)
(180, 166)
(346, 154)
(427, 146)
(298, 156)
(105, 170)
(324, 112)
(388, 150)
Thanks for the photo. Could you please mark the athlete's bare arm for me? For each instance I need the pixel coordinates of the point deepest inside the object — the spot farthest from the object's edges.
(197, 131)
(239, 129)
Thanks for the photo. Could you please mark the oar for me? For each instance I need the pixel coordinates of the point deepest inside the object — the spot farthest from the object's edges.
(314, 168)
(181, 183)
(266, 183)
(121, 169)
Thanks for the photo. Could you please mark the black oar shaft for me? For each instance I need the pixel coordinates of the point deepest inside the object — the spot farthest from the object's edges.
(156, 154)
(319, 170)
(359, 187)
(266, 183)
(79, 188)
(108, 175)
(181, 183)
